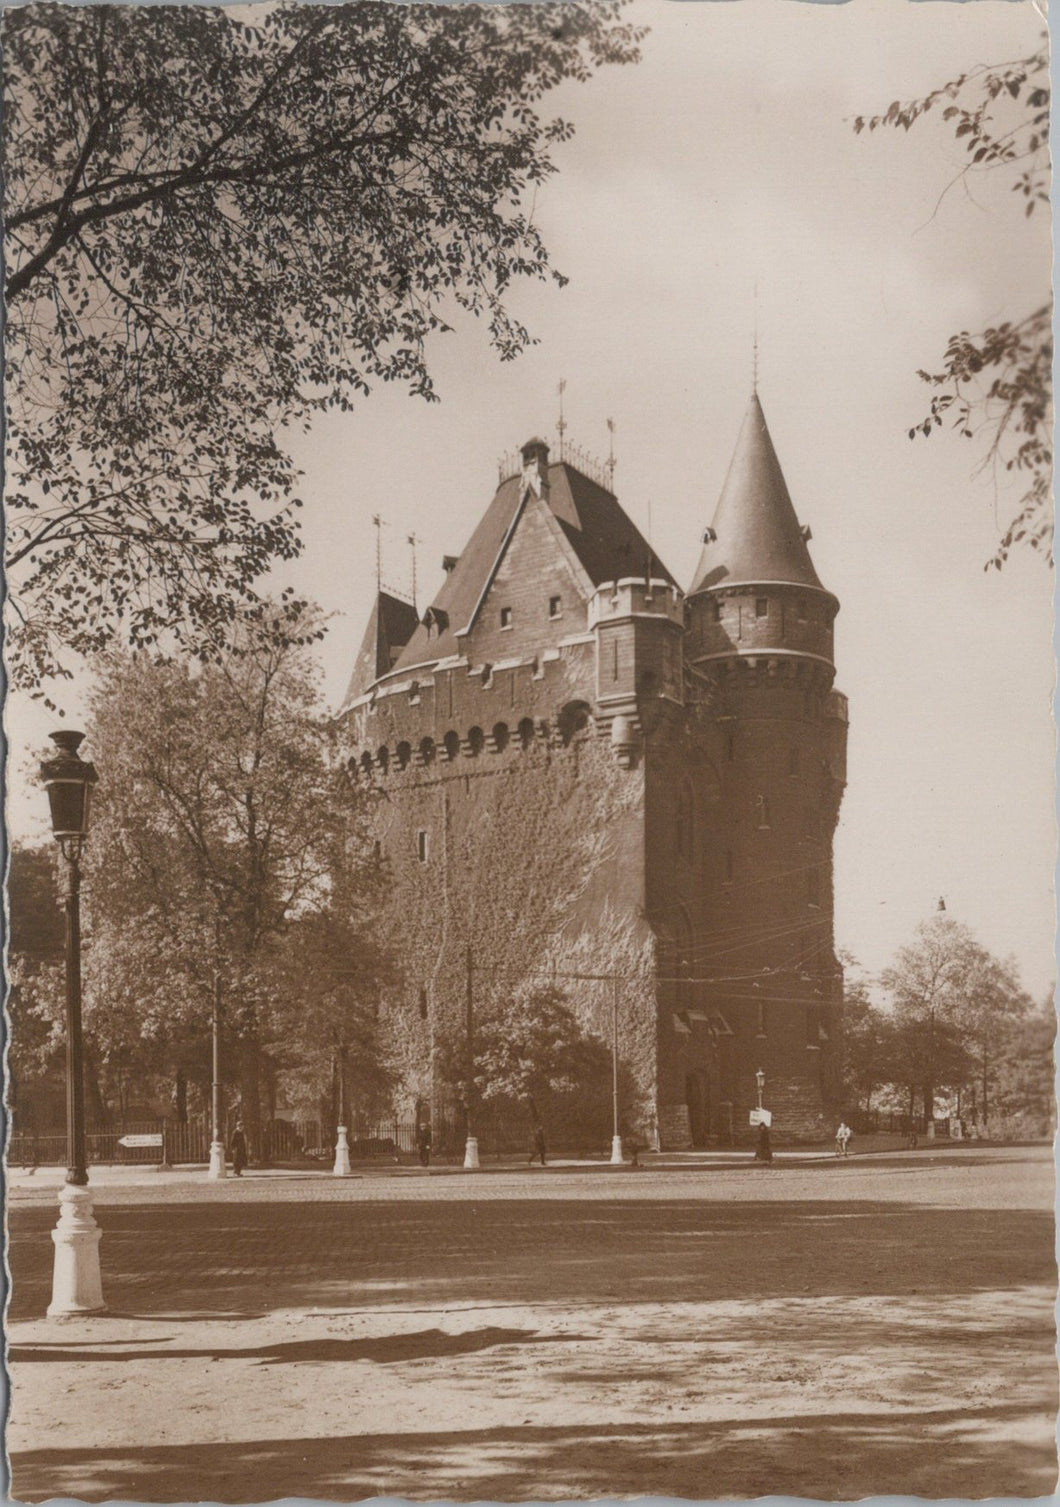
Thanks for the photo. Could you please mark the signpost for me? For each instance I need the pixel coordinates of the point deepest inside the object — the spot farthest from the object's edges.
(761, 1117)
(141, 1140)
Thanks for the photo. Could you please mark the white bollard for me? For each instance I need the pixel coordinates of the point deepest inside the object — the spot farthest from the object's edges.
(76, 1284)
(471, 1154)
(218, 1165)
(616, 1151)
(342, 1153)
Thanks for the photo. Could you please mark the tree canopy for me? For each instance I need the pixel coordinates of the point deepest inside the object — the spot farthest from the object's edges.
(217, 227)
(226, 854)
(995, 385)
(952, 1018)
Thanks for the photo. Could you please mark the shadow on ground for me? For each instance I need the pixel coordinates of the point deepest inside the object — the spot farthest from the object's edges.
(841, 1457)
(425, 1344)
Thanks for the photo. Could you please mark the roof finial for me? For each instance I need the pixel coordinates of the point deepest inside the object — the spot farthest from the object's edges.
(754, 364)
(413, 541)
(378, 525)
(561, 427)
(611, 461)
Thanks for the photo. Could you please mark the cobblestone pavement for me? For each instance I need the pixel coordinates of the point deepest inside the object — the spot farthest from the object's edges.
(833, 1329)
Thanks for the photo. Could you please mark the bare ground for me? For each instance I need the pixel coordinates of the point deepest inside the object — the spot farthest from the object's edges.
(826, 1331)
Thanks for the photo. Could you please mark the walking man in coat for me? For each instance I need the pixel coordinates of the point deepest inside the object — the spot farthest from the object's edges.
(239, 1149)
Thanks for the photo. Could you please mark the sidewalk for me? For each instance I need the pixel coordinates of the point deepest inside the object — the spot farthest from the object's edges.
(143, 1174)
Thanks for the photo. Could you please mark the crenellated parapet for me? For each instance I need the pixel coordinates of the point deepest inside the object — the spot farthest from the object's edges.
(636, 597)
(639, 627)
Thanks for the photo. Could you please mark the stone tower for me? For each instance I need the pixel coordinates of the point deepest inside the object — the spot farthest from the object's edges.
(573, 767)
(760, 636)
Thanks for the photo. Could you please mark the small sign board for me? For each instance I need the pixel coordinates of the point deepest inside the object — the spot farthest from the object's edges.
(140, 1140)
(761, 1117)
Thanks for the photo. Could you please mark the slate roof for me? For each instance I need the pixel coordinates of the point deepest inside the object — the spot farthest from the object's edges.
(757, 535)
(607, 543)
(389, 629)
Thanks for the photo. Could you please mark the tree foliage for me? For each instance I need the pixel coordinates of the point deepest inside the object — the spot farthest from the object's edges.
(216, 229)
(35, 947)
(996, 384)
(952, 1017)
(225, 855)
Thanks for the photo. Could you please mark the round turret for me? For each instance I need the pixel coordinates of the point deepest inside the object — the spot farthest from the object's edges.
(756, 590)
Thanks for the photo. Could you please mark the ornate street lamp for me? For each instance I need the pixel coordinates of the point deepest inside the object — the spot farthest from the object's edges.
(760, 1080)
(76, 1285)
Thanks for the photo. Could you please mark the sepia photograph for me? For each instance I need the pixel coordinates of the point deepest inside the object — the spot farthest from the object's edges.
(530, 760)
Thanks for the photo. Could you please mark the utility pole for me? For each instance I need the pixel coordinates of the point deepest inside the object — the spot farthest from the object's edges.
(616, 1138)
(471, 1162)
(218, 1166)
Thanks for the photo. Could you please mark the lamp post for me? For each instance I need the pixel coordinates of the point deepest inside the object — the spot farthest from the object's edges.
(76, 1284)
(471, 1161)
(760, 1081)
(616, 1136)
(218, 1166)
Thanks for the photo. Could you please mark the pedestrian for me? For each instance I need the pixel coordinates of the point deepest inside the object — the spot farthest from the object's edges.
(423, 1143)
(840, 1135)
(238, 1149)
(764, 1149)
(847, 1137)
(537, 1145)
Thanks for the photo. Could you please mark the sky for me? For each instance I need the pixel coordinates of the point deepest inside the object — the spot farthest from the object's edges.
(724, 162)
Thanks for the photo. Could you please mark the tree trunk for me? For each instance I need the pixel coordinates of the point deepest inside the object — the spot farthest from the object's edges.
(180, 1098)
(250, 1094)
(929, 1104)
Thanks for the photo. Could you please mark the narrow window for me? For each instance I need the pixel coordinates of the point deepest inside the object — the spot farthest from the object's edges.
(761, 607)
(506, 617)
(614, 659)
(555, 606)
(423, 1003)
(421, 846)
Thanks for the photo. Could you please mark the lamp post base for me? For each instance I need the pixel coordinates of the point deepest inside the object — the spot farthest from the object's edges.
(218, 1165)
(471, 1154)
(616, 1150)
(342, 1153)
(76, 1284)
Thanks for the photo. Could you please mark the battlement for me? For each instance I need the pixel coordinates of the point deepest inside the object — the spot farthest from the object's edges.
(636, 597)
(456, 709)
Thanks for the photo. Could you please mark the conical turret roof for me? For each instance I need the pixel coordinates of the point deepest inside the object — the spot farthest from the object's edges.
(755, 536)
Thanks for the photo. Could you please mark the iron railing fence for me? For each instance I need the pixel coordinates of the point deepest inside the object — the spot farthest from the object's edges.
(865, 1122)
(387, 1139)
